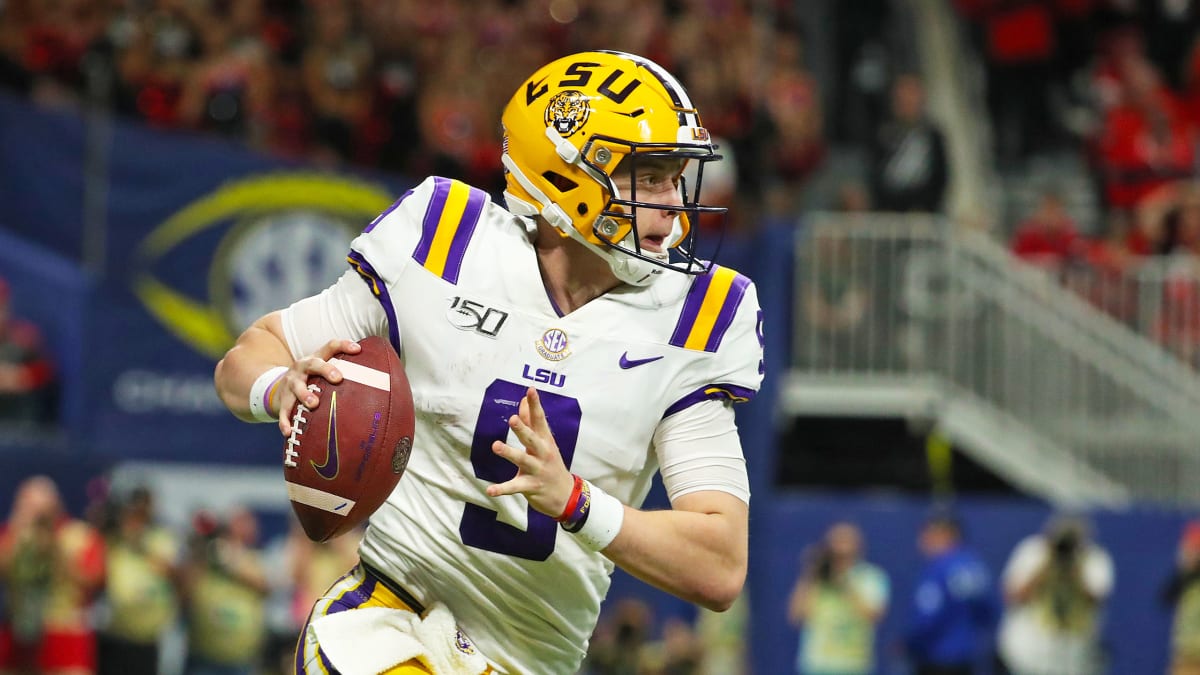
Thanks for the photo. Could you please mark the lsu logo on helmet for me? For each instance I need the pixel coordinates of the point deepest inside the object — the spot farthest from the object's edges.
(567, 112)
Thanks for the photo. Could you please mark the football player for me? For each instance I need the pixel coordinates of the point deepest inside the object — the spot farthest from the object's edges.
(560, 352)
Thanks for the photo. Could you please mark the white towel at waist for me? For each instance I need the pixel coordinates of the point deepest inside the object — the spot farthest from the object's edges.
(371, 640)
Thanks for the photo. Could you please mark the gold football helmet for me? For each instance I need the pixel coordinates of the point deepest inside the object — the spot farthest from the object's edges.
(570, 125)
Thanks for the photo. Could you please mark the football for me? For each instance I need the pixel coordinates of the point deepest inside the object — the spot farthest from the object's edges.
(344, 458)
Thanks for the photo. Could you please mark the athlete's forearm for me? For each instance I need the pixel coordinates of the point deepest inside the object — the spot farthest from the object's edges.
(696, 551)
(260, 347)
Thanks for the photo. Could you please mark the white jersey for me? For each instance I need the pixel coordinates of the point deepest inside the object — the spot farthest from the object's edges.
(457, 279)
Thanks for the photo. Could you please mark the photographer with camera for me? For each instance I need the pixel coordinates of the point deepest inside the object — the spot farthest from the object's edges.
(51, 566)
(838, 601)
(1181, 593)
(227, 589)
(1055, 585)
(141, 591)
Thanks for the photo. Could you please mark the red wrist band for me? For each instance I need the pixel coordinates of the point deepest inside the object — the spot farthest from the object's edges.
(572, 502)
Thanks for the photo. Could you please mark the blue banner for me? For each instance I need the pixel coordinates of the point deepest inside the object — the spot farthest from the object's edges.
(203, 236)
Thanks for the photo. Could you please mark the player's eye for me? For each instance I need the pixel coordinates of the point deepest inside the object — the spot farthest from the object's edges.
(657, 181)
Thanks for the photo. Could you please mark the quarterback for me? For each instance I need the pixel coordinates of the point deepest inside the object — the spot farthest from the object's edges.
(561, 351)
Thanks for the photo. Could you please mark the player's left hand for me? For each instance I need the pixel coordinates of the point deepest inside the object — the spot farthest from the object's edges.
(541, 474)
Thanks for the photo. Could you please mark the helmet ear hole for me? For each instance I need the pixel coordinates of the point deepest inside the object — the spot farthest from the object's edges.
(559, 181)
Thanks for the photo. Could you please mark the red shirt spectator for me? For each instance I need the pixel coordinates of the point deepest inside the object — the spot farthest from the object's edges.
(1147, 141)
(1049, 236)
(52, 566)
(26, 373)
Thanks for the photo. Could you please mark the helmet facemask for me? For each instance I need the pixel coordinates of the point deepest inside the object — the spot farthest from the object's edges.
(616, 226)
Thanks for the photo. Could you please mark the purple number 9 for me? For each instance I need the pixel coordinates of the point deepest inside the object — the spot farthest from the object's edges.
(479, 527)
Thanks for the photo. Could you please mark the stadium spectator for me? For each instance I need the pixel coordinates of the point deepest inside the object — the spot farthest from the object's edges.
(336, 71)
(1020, 52)
(1055, 585)
(725, 638)
(27, 381)
(386, 85)
(140, 588)
(311, 568)
(229, 90)
(838, 601)
(51, 566)
(587, 241)
(226, 592)
(864, 57)
(909, 169)
(1106, 278)
(836, 303)
(678, 652)
(1181, 593)
(1168, 224)
(1049, 237)
(954, 606)
(315, 566)
(13, 74)
(1146, 140)
(619, 643)
(160, 58)
(795, 125)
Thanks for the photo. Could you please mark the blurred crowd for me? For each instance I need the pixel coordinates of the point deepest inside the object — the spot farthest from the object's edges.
(1115, 83)
(408, 86)
(417, 88)
(1041, 615)
(118, 591)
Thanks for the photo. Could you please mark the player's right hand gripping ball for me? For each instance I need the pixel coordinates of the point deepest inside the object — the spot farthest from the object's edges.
(345, 457)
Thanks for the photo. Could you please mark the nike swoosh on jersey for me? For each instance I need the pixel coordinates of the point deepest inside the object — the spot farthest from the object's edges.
(329, 468)
(627, 363)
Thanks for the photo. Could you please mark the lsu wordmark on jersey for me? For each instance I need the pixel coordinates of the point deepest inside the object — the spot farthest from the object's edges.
(457, 277)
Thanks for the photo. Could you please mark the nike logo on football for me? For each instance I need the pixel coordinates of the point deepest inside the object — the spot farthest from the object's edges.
(627, 363)
(329, 468)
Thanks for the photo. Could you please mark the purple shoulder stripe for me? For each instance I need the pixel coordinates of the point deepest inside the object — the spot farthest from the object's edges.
(463, 233)
(433, 215)
(450, 219)
(737, 290)
(709, 309)
(380, 291)
(731, 392)
(691, 308)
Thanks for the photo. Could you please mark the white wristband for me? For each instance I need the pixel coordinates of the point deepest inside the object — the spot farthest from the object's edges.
(261, 392)
(604, 521)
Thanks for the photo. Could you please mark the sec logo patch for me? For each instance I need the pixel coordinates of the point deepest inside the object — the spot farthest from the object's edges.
(553, 345)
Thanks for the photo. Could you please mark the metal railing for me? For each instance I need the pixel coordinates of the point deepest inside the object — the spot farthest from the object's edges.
(886, 297)
(1158, 298)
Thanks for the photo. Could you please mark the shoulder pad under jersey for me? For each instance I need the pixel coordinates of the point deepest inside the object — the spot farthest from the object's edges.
(721, 316)
(431, 226)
